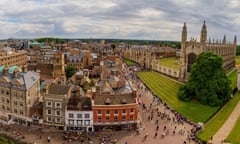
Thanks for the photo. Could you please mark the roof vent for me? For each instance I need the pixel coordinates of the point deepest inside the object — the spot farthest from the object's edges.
(123, 101)
(107, 101)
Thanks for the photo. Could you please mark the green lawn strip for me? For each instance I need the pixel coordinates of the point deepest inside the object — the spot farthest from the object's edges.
(129, 62)
(218, 120)
(237, 60)
(167, 89)
(233, 76)
(233, 137)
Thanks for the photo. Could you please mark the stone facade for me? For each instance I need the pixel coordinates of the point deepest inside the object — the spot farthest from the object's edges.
(191, 49)
(12, 57)
(19, 92)
(145, 55)
(55, 105)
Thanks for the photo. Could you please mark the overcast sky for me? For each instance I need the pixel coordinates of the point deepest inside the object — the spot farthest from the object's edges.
(128, 19)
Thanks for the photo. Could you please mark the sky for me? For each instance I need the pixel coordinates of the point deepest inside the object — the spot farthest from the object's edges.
(118, 19)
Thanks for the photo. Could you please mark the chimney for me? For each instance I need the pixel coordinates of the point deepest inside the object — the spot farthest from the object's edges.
(5, 70)
(25, 69)
(16, 72)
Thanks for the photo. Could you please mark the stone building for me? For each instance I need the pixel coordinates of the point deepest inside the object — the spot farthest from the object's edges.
(145, 55)
(19, 92)
(81, 60)
(55, 105)
(192, 48)
(11, 57)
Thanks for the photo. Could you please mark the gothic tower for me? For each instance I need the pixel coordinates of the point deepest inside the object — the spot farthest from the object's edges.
(203, 37)
(183, 52)
(184, 33)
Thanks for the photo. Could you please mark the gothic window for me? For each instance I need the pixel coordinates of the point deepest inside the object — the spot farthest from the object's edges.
(191, 60)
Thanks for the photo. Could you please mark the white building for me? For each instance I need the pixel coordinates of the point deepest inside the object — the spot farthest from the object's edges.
(79, 115)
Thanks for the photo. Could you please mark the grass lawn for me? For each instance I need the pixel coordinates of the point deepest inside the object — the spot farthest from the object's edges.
(170, 62)
(233, 137)
(129, 62)
(237, 60)
(233, 76)
(167, 89)
(218, 120)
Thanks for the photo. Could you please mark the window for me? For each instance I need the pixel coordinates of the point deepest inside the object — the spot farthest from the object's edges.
(71, 122)
(107, 119)
(3, 107)
(79, 122)
(99, 119)
(131, 110)
(15, 110)
(8, 100)
(21, 104)
(79, 115)
(49, 119)
(49, 112)
(107, 112)
(87, 122)
(2, 91)
(116, 112)
(49, 104)
(123, 118)
(15, 103)
(8, 108)
(115, 119)
(70, 115)
(131, 117)
(87, 116)
(58, 120)
(21, 112)
(58, 112)
(123, 111)
(58, 105)
(99, 112)
(7, 92)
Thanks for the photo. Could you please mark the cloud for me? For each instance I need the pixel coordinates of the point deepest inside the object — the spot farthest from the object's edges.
(139, 19)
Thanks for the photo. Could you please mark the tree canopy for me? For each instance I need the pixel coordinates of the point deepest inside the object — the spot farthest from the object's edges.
(208, 82)
(69, 71)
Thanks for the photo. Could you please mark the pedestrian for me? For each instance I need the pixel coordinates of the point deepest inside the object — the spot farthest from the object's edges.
(48, 139)
(155, 135)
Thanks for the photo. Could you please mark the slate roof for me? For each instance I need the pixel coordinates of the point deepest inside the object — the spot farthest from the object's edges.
(59, 89)
(30, 78)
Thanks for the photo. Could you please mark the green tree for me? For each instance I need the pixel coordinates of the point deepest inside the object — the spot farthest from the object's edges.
(208, 82)
(69, 71)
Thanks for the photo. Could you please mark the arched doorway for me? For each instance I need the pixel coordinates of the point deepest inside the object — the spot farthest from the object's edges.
(191, 60)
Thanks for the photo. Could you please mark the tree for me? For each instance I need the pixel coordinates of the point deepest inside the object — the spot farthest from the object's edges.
(208, 82)
(69, 71)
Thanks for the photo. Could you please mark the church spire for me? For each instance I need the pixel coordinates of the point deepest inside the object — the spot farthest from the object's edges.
(203, 33)
(235, 40)
(184, 32)
(224, 39)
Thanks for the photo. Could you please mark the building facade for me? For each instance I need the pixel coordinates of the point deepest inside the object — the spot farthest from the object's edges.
(145, 55)
(79, 115)
(55, 105)
(12, 57)
(192, 48)
(19, 92)
(115, 112)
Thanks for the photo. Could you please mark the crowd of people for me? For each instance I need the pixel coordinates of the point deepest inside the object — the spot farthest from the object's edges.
(172, 122)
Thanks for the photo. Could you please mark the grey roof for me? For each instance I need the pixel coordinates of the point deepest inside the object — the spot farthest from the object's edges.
(59, 89)
(30, 78)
